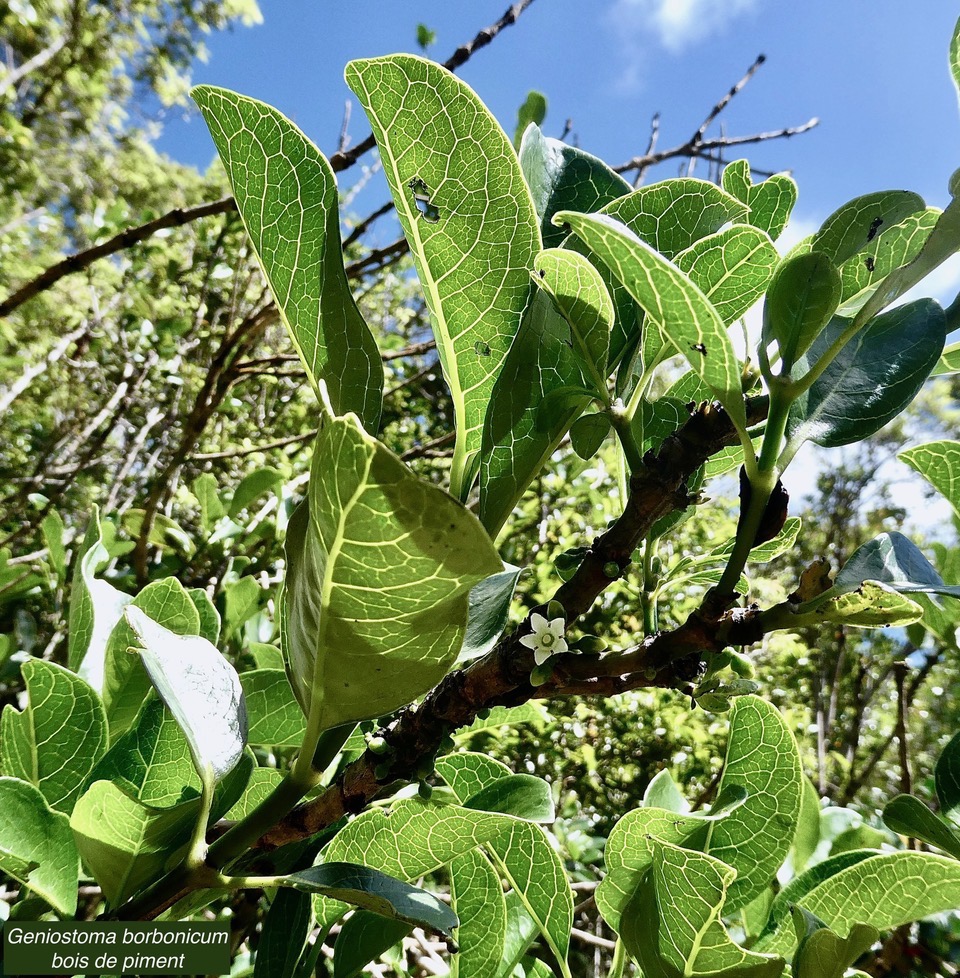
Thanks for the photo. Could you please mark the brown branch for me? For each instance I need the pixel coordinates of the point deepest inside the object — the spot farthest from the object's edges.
(502, 677)
(355, 234)
(179, 216)
(725, 101)
(80, 260)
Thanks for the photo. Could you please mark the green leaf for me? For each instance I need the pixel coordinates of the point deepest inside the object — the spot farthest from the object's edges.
(589, 433)
(807, 836)
(58, 736)
(871, 605)
(287, 197)
(262, 782)
(375, 891)
(955, 56)
(363, 938)
(425, 38)
(151, 761)
(563, 177)
(947, 778)
(872, 379)
(252, 487)
(200, 688)
(762, 759)
(489, 610)
(266, 656)
(51, 529)
(273, 716)
(804, 294)
(673, 928)
(540, 372)
(520, 933)
(858, 222)
(732, 268)
(529, 863)
(241, 603)
(286, 928)
(469, 773)
(125, 843)
(823, 954)
(506, 716)
(663, 792)
(477, 899)
(126, 682)
(37, 847)
(208, 614)
(379, 570)
(894, 560)
(475, 240)
(908, 816)
(949, 362)
(883, 891)
(685, 316)
(770, 202)
(416, 839)
(670, 216)
(628, 854)
(582, 299)
(782, 543)
(532, 112)
(95, 607)
(893, 248)
(205, 488)
(521, 795)
(939, 463)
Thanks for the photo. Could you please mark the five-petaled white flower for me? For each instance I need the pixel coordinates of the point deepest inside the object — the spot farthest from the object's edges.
(546, 639)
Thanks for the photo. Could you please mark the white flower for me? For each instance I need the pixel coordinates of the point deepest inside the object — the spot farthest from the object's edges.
(546, 639)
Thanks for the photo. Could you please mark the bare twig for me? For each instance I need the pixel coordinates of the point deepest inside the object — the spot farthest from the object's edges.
(365, 223)
(344, 141)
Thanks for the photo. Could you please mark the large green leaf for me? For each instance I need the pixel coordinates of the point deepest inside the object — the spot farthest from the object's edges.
(95, 607)
(488, 613)
(416, 839)
(363, 937)
(896, 561)
(939, 463)
(762, 759)
(884, 891)
(732, 268)
(955, 56)
(770, 201)
(804, 294)
(822, 954)
(273, 716)
(672, 926)
(287, 197)
(285, 930)
(949, 362)
(529, 863)
(564, 177)
(893, 248)
(477, 233)
(873, 378)
(909, 816)
(125, 843)
(58, 736)
(519, 436)
(151, 761)
(685, 316)
(126, 683)
(375, 891)
(468, 773)
(947, 777)
(563, 344)
(858, 222)
(670, 216)
(36, 845)
(379, 570)
(477, 899)
(628, 854)
(200, 688)
(521, 795)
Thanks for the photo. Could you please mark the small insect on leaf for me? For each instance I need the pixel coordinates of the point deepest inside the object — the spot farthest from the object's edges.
(874, 228)
(700, 348)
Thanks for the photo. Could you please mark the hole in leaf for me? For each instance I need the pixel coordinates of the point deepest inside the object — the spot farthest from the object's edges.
(421, 199)
(482, 349)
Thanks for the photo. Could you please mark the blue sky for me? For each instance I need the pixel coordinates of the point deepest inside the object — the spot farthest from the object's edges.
(873, 71)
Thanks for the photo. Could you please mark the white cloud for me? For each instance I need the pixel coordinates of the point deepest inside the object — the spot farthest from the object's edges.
(677, 23)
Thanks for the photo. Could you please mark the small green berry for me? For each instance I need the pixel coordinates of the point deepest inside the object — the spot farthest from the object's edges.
(378, 746)
(483, 714)
(612, 569)
(540, 674)
(742, 666)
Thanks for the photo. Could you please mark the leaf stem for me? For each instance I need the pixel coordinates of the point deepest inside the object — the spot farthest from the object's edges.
(651, 585)
(619, 960)
(621, 422)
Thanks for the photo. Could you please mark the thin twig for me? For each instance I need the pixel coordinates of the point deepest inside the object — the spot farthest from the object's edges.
(366, 222)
